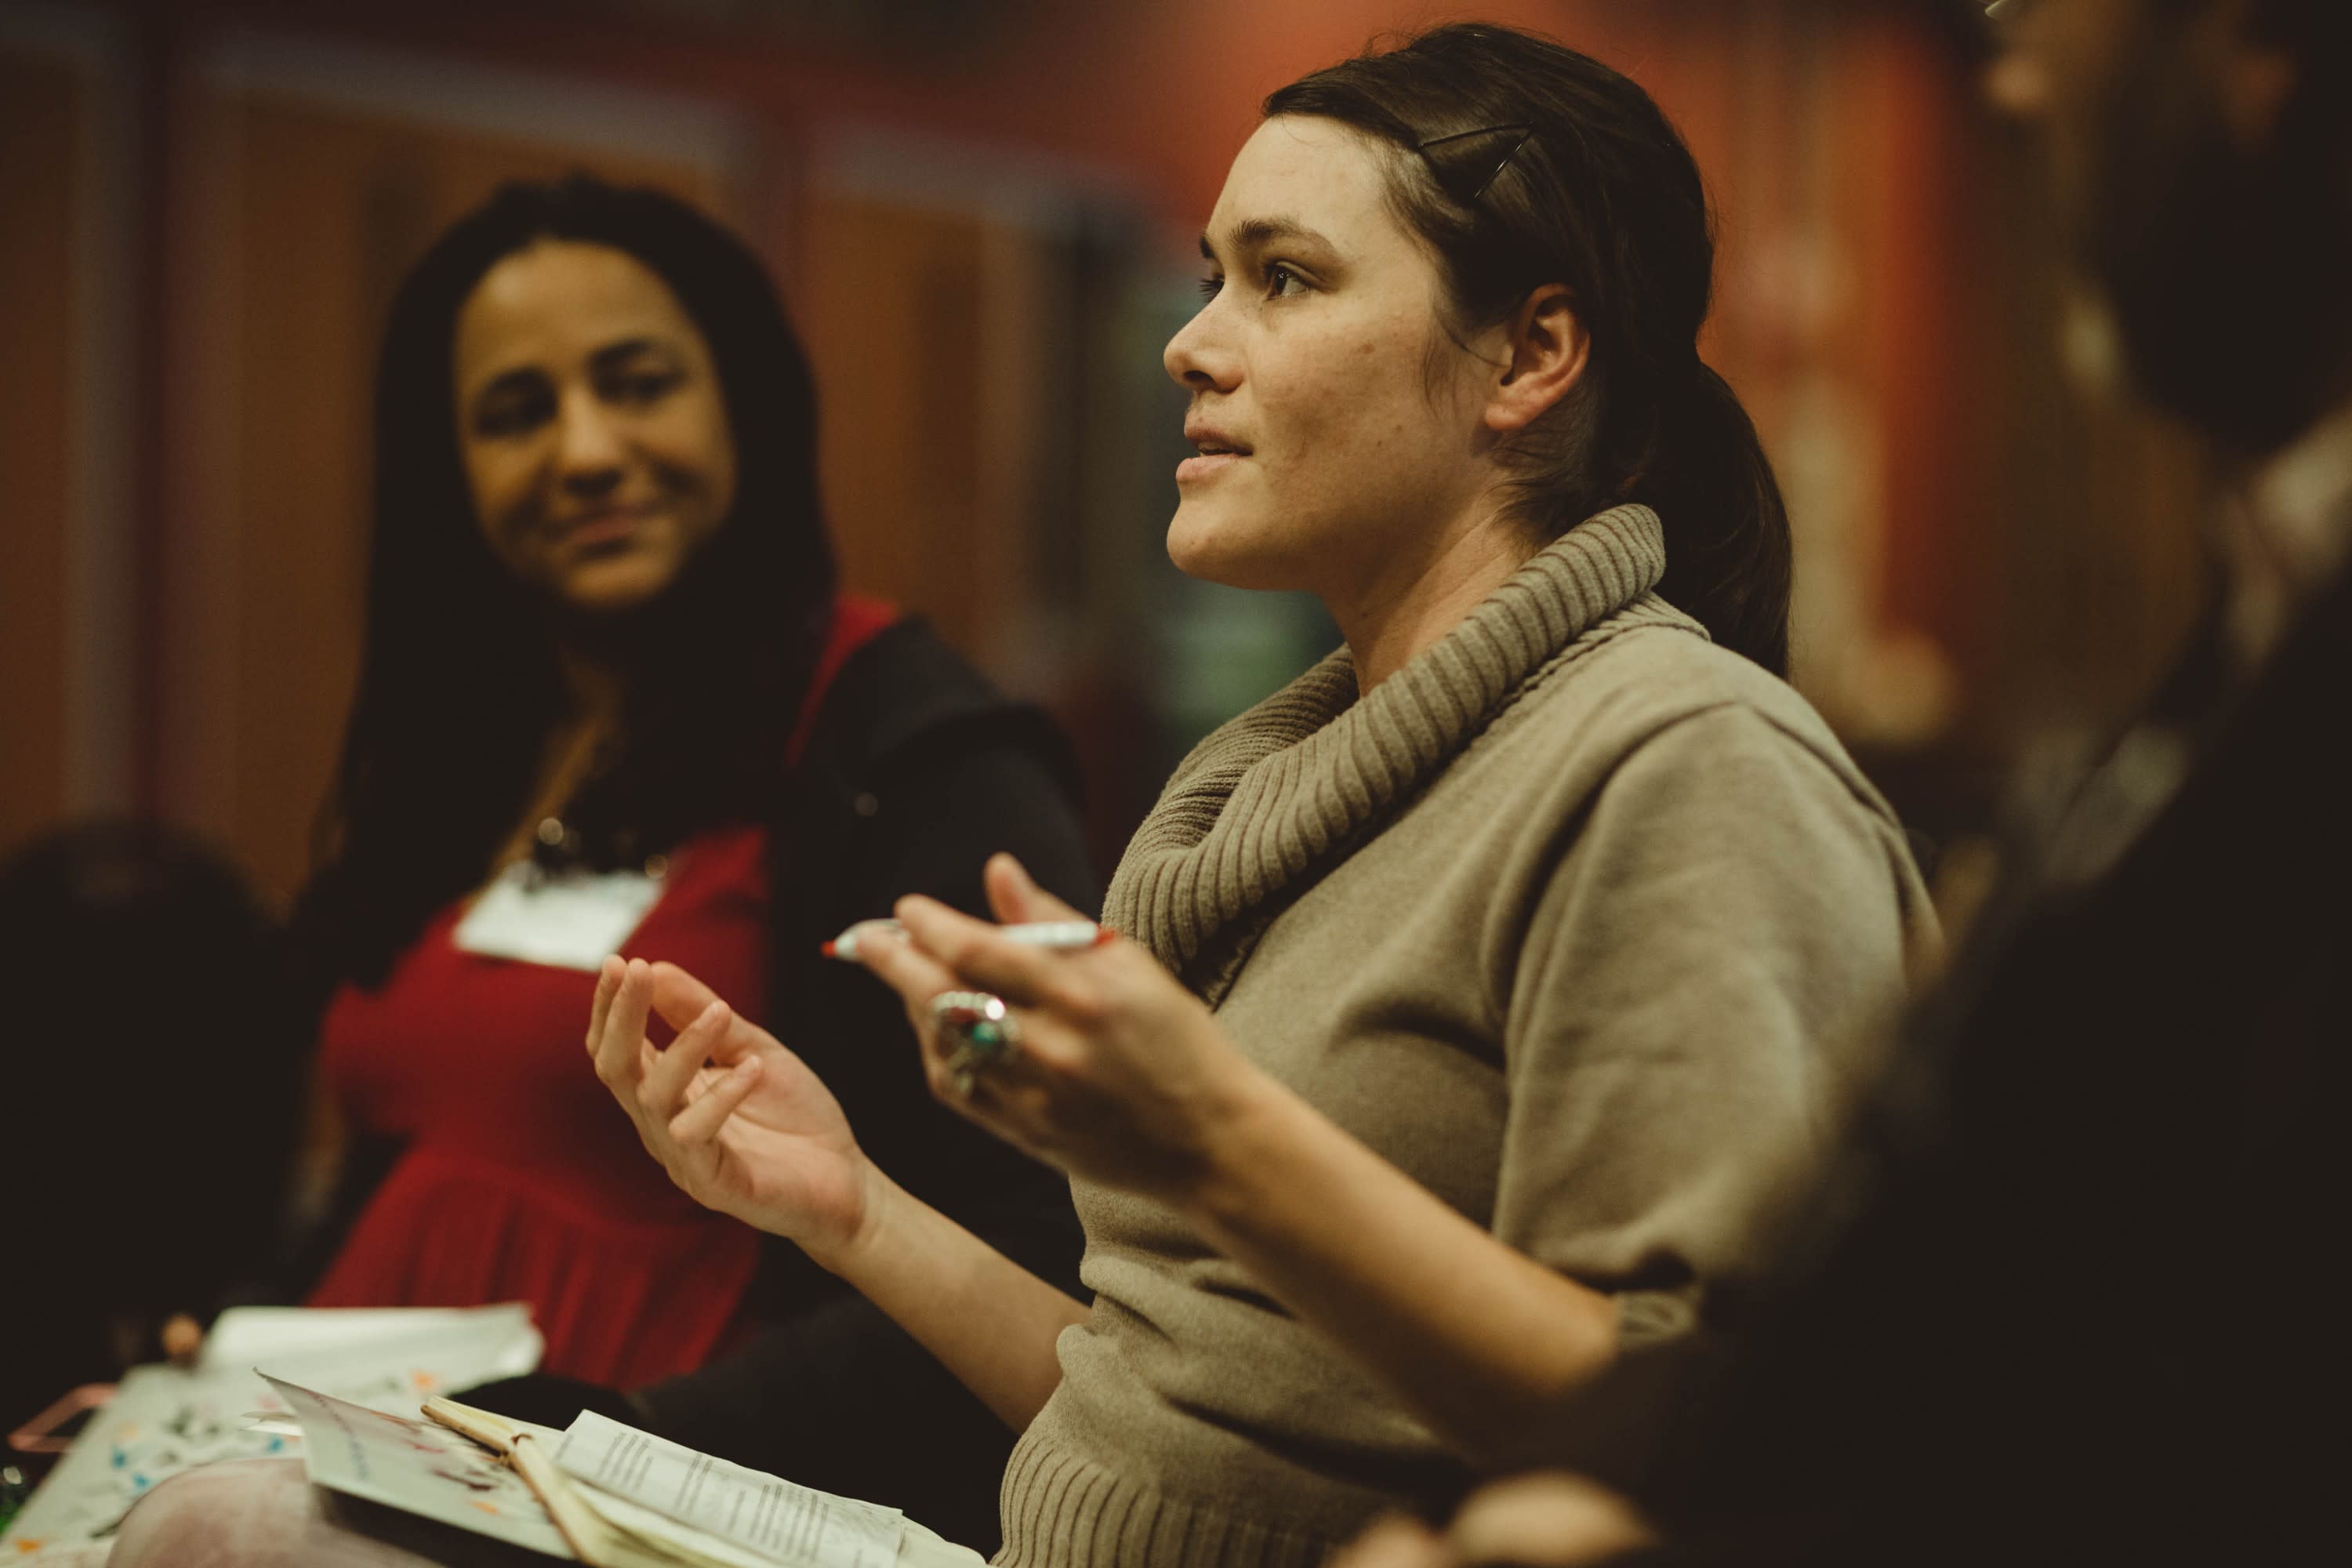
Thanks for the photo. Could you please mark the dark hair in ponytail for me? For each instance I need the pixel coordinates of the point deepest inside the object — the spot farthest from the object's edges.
(1521, 163)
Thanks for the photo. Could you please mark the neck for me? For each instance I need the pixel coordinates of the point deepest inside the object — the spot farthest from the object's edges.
(1409, 606)
(597, 682)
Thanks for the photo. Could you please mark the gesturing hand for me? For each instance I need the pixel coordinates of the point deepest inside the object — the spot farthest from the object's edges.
(1121, 1075)
(739, 1122)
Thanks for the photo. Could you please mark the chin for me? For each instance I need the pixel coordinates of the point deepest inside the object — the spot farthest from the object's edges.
(1230, 554)
(614, 587)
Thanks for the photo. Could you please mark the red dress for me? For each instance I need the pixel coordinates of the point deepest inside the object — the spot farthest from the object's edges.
(521, 1179)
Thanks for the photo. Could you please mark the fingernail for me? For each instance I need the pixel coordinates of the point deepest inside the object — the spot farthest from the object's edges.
(712, 1013)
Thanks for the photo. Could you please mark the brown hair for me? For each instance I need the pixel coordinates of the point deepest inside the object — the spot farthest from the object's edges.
(1519, 161)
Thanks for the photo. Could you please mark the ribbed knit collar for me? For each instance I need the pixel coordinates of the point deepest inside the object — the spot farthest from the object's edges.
(1268, 798)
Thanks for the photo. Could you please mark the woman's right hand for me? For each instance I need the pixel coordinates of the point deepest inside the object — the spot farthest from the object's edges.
(740, 1124)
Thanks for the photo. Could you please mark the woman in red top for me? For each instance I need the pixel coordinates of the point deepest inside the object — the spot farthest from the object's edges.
(611, 701)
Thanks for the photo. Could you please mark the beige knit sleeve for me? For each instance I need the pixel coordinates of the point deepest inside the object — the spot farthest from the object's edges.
(1703, 955)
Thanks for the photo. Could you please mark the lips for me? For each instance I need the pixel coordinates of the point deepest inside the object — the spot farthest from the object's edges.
(1218, 452)
(604, 525)
(1212, 442)
(1207, 466)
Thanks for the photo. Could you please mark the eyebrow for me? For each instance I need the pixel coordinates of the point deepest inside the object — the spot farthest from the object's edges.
(612, 354)
(1253, 234)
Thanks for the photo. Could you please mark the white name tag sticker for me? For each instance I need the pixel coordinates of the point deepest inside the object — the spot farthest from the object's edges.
(568, 920)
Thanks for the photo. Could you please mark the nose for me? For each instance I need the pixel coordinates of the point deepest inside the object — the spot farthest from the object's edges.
(590, 452)
(1202, 357)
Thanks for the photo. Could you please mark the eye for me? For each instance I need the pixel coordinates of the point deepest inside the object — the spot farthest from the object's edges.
(1281, 282)
(1211, 286)
(640, 386)
(513, 410)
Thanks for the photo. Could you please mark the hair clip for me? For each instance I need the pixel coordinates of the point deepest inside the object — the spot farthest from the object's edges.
(1472, 159)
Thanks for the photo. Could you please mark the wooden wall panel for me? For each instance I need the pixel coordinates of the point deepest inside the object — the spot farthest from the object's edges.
(916, 327)
(42, 111)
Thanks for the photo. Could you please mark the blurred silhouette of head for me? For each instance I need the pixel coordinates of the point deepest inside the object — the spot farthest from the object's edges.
(2203, 156)
(150, 1116)
(1519, 162)
(460, 681)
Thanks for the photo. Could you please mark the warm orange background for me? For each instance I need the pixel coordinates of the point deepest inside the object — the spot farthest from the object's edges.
(1981, 569)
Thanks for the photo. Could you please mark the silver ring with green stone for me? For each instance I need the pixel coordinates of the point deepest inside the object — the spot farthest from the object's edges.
(982, 1028)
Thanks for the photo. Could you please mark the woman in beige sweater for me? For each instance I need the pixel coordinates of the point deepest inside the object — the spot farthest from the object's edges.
(1472, 987)
(1473, 984)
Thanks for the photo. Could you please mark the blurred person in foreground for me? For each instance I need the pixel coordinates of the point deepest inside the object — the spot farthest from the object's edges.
(2078, 1292)
(608, 682)
(1466, 989)
(115, 1235)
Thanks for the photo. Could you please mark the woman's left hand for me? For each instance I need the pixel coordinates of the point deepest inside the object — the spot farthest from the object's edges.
(1120, 1075)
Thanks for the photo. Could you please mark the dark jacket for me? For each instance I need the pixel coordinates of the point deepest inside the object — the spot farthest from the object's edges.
(917, 772)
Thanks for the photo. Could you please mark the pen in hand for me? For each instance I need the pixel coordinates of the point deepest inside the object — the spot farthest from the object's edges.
(1057, 936)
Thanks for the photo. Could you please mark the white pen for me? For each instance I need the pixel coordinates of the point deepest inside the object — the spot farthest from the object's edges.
(1058, 936)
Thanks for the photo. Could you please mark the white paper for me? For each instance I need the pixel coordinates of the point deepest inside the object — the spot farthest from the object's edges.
(492, 1337)
(796, 1526)
(89, 1555)
(664, 1534)
(568, 920)
(163, 1420)
(420, 1468)
(386, 1358)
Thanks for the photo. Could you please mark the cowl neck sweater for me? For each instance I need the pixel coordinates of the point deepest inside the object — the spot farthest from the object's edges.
(1569, 920)
(1282, 790)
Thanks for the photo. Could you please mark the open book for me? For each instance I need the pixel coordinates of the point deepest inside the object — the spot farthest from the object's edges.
(598, 1492)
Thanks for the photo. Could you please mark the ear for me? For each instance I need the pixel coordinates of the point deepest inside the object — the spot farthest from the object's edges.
(1544, 358)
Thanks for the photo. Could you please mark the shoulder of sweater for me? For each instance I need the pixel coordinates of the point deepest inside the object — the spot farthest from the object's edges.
(1638, 681)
